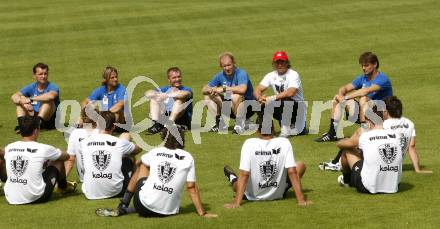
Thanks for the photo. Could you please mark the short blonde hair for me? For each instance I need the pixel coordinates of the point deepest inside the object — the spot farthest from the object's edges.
(224, 54)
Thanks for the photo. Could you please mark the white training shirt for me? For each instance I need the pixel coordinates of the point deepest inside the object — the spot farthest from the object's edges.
(281, 83)
(24, 167)
(74, 145)
(267, 162)
(102, 155)
(382, 165)
(169, 170)
(404, 127)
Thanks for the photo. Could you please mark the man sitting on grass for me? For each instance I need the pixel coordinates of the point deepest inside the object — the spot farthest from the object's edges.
(267, 168)
(28, 179)
(158, 182)
(376, 167)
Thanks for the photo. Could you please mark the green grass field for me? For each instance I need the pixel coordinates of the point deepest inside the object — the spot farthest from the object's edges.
(323, 38)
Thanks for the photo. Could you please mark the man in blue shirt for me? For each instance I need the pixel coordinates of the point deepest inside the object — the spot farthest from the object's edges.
(40, 98)
(111, 94)
(371, 85)
(233, 85)
(172, 102)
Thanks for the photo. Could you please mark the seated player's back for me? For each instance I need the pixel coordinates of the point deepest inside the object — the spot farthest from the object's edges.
(404, 127)
(382, 165)
(169, 170)
(102, 155)
(267, 161)
(24, 166)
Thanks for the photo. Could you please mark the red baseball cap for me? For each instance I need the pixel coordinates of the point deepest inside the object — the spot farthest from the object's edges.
(280, 55)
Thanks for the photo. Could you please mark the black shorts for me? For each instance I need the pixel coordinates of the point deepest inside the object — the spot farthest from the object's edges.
(184, 120)
(249, 111)
(356, 179)
(50, 174)
(140, 208)
(49, 124)
(278, 112)
(127, 170)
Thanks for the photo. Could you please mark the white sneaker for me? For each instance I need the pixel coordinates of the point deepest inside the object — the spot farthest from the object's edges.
(286, 131)
(341, 181)
(328, 165)
(238, 129)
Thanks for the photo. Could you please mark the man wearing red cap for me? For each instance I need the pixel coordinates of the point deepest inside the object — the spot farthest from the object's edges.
(288, 97)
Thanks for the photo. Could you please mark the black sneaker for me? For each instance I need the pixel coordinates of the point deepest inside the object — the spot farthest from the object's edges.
(327, 137)
(17, 130)
(230, 174)
(122, 209)
(155, 128)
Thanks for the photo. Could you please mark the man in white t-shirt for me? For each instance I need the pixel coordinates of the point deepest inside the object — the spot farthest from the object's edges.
(159, 180)
(393, 121)
(403, 126)
(377, 166)
(107, 163)
(28, 180)
(74, 144)
(267, 169)
(288, 92)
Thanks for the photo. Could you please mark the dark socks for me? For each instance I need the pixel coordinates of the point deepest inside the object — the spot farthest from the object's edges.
(347, 177)
(338, 156)
(332, 130)
(62, 183)
(127, 198)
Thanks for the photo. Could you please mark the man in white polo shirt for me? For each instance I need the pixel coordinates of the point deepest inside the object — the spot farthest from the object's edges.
(28, 180)
(267, 168)
(107, 163)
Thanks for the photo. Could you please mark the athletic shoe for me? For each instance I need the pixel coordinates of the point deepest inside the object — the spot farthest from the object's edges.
(155, 128)
(326, 138)
(17, 130)
(328, 165)
(238, 130)
(219, 126)
(230, 174)
(70, 188)
(107, 212)
(341, 181)
(122, 208)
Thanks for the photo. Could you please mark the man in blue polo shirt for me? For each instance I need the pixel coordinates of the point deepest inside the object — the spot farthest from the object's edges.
(111, 94)
(371, 85)
(231, 84)
(40, 98)
(170, 103)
